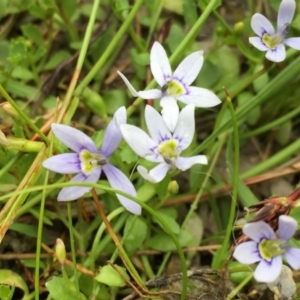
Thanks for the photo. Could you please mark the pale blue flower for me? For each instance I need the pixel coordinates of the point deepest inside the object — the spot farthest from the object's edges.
(88, 161)
(267, 248)
(273, 41)
(175, 86)
(163, 146)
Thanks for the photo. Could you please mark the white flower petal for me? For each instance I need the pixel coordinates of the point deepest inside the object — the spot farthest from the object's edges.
(156, 125)
(140, 142)
(118, 180)
(67, 163)
(155, 175)
(261, 25)
(185, 163)
(287, 227)
(276, 55)
(113, 134)
(170, 112)
(185, 128)
(159, 63)
(73, 138)
(292, 256)
(130, 87)
(268, 271)
(200, 97)
(189, 68)
(150, 94)
(258, 231)
(75, 192)
(258, 43)
(247, 253)
(285, 12)
(293, 42)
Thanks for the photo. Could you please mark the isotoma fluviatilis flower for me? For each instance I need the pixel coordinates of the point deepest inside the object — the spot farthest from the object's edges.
(88, 161)
(162, 146)
(267, 248)
(273, 41)
(175, 86)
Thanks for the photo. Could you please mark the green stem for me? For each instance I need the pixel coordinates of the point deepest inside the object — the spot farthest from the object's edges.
(111, 47)
(9, 164)
(72, 243)
(236, 290)
(235, 183)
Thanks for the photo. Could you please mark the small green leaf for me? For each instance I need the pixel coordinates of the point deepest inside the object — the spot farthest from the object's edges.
(114, 99)
(6, 292)
(283, 135)
(10, 278)
(59, 290)
(135, 232)
(128, 155)
(33, 33)
(190, 12)
(56, 59)
(110, 277)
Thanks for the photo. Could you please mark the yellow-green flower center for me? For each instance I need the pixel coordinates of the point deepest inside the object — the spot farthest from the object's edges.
(272, 41)
(168, 150)
(270, 248)
(90, 161)
(173, 88)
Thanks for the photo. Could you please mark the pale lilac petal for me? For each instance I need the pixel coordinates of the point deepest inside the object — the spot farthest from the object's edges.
(247, 253)
(185, 163)
(67, 163)
(119, 181)
(113, 134)
(200, 97)
(261, 25)
(293, 42)
(189, 68)
(292, 256)
(73, 138)
(130, 87)
(170, 111)
(268, 271)
(276, 55)
(140, 142)
(150, 94)
(258, 231)
(75, 192)
(285, 12)
(155, 175)
(185, 128)
(156, 125)
(258, 43)
(159, 63)
(287, 227)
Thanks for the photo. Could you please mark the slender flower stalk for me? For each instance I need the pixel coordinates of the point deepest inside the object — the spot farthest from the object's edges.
(273, 41)
(266, 248)
(88, 161)
(162, 146)
(175, 86)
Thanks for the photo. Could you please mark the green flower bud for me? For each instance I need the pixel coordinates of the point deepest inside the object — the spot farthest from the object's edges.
(238, 27)
(173, 187)
(60, 251)
(23, 145)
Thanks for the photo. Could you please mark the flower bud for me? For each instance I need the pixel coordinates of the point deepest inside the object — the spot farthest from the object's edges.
(173, 187)
(3, 139)
(238, 28)
(60, 251)
(23, 145)
(9, 110)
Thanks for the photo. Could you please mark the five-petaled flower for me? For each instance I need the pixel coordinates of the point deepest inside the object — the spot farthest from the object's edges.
(273, 41)
(267, 248)
(163, 147)
(88, 161)
(175, 86)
